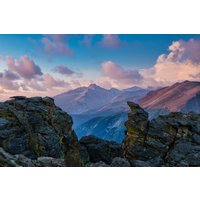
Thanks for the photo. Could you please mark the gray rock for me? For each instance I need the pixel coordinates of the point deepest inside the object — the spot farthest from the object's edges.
(49, 162)
(6, 159)
(101, 150)
(18, 97)
(120, 162)
(19, 160)
(168, 140)
(196, 138)
(23, 161)
(85, 158)
(97, 164)
(139, 163)
(36, 127)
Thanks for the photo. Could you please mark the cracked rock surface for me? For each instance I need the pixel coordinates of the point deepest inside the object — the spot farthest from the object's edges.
(170, 140)
(36, 127)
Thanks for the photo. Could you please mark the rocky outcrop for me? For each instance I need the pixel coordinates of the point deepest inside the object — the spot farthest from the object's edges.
(137, 125)
(36, 133)
(35, 127)
(94, 150)
(170, 140)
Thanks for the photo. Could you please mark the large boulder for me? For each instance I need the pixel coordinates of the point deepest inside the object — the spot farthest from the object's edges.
(170, 140)
(99, 149)
(36, 127)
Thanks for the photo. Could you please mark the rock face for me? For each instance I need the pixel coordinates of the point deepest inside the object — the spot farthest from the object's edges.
(137, 125)
(95, 150)
(35, 127)
(170, 140)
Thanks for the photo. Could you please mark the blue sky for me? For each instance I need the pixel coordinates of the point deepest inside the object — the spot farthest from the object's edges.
(131, 54)
(86, 55)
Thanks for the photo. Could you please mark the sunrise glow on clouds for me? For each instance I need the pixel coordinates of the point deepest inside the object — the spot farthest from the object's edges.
(46, 65)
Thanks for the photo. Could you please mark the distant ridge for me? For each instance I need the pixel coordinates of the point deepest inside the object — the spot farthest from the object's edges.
(172, 98)
(93, 99)
(84, 98)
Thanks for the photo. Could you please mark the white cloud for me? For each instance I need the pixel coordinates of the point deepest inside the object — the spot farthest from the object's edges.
(182, 63)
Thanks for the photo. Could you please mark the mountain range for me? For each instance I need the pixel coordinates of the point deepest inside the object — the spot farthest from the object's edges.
(84, 99)
(95, 99)
(102, 112)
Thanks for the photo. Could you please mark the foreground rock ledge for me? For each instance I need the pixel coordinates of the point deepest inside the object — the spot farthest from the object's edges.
(36, 127)
(170, 140)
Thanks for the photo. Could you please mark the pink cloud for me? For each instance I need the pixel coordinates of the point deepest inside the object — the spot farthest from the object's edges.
(116, 72)
(50, 82)
(10, 75)
(6, 84)
(181, 51)
(111, 41)
(24, 77)
(24, 67)
(56, 45)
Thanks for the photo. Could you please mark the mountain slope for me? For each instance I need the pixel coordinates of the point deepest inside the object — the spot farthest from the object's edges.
(108, 128)
(119, 102)
(192, 105)
(173, 98)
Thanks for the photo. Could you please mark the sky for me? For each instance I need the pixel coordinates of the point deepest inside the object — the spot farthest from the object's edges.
(47, 65)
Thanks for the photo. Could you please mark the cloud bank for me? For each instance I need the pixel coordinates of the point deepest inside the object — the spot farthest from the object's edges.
(180, 64)
(24, 77)
(121, 77)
